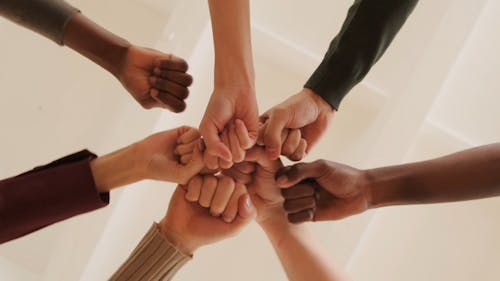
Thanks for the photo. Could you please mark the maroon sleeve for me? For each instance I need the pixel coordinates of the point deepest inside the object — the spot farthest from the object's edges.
(48, 194)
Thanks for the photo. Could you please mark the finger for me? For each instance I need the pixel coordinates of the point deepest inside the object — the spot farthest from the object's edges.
(245, 167)
(225, 164)
(300, 152)
(232, 206)
(172, 63)
(150, 102)
(168, 101)
(207, 191)
(302, 216)
(211, 161)
(262, 129)
(291, 143)
(189, 136)
(178, 77)
(238, 176)
(299, 172)
(215, 146)
(194, 189)
(300, 204)
(246, 210)
(298, 191)
(225, 189)
(258, 154)
(192, 167)
(237, 151)
(272, 135)
(244, 138)
(170, 87)
(186, 158)
(183, 149)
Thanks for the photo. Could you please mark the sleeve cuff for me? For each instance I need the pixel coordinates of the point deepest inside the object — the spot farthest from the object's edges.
(154, 258)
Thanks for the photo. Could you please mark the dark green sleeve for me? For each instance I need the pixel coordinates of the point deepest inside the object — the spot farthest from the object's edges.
(368, 30)
(47, 17)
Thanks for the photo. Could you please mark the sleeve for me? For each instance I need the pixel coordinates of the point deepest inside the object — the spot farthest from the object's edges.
(368, 30)
(48, 194)
(47, 17)
(154, 259)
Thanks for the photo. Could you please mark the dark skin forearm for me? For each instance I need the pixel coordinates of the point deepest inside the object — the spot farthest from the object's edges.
(466, 175)
(96, 43)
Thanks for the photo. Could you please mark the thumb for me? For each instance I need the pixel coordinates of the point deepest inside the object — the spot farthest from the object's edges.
(246, 210)
(194, 166)
(278, 119)
(258, 154)
(292, 175)
(215, 146)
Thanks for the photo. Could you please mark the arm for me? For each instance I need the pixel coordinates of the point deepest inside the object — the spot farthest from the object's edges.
(368, 30)
(154, 79)
(344, 191)
(234, 90)
(300, 254)
(81, 182)
(185, 228)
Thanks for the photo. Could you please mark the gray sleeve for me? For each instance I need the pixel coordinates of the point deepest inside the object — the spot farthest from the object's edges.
(47, 17)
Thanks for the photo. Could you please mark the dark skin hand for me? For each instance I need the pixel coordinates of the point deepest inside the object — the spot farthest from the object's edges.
(154, 79)
(334, 191)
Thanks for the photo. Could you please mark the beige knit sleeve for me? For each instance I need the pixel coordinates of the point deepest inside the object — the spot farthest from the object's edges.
(155, 258)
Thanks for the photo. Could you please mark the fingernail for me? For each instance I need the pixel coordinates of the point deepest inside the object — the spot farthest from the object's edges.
(152, 79)
(248, 204)
(227, 219)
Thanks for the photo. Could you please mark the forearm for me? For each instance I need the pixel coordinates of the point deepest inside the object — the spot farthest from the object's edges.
(96, 43)
(367, 32)
(299, 253)
(469, 174)
(232, 43)
(46, 17)
(155, 258)
(48, 194)
(116, 169)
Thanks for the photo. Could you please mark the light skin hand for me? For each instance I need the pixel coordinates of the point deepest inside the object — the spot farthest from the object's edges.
(305, 111)
(233, 97)
(228, 111)
(190, 226)
(219, 194)
(323, 190)
(151, 158)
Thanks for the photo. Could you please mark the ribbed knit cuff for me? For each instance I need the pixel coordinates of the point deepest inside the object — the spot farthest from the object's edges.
(154, 258)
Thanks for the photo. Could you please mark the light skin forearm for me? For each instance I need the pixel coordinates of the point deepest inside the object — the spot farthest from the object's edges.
(232, 43)
(299, 253)
(116, 169)
(466, 175)
(96, 43)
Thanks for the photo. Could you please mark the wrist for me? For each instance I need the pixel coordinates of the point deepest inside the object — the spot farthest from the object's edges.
(322, 105)
(234, 73)
(96, 43)
(182, 242)
(381, 189)
(279, 231)
(115, 169)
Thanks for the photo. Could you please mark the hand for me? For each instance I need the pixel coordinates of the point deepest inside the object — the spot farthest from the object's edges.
(263, 188)
(305, 111)
(189, 226)
(157, 159)
(155, 79)
(292, 144)
(219, 194)
(323, 190)
(228, 105)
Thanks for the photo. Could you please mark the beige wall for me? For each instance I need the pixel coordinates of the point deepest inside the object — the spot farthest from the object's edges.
(434, 92)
